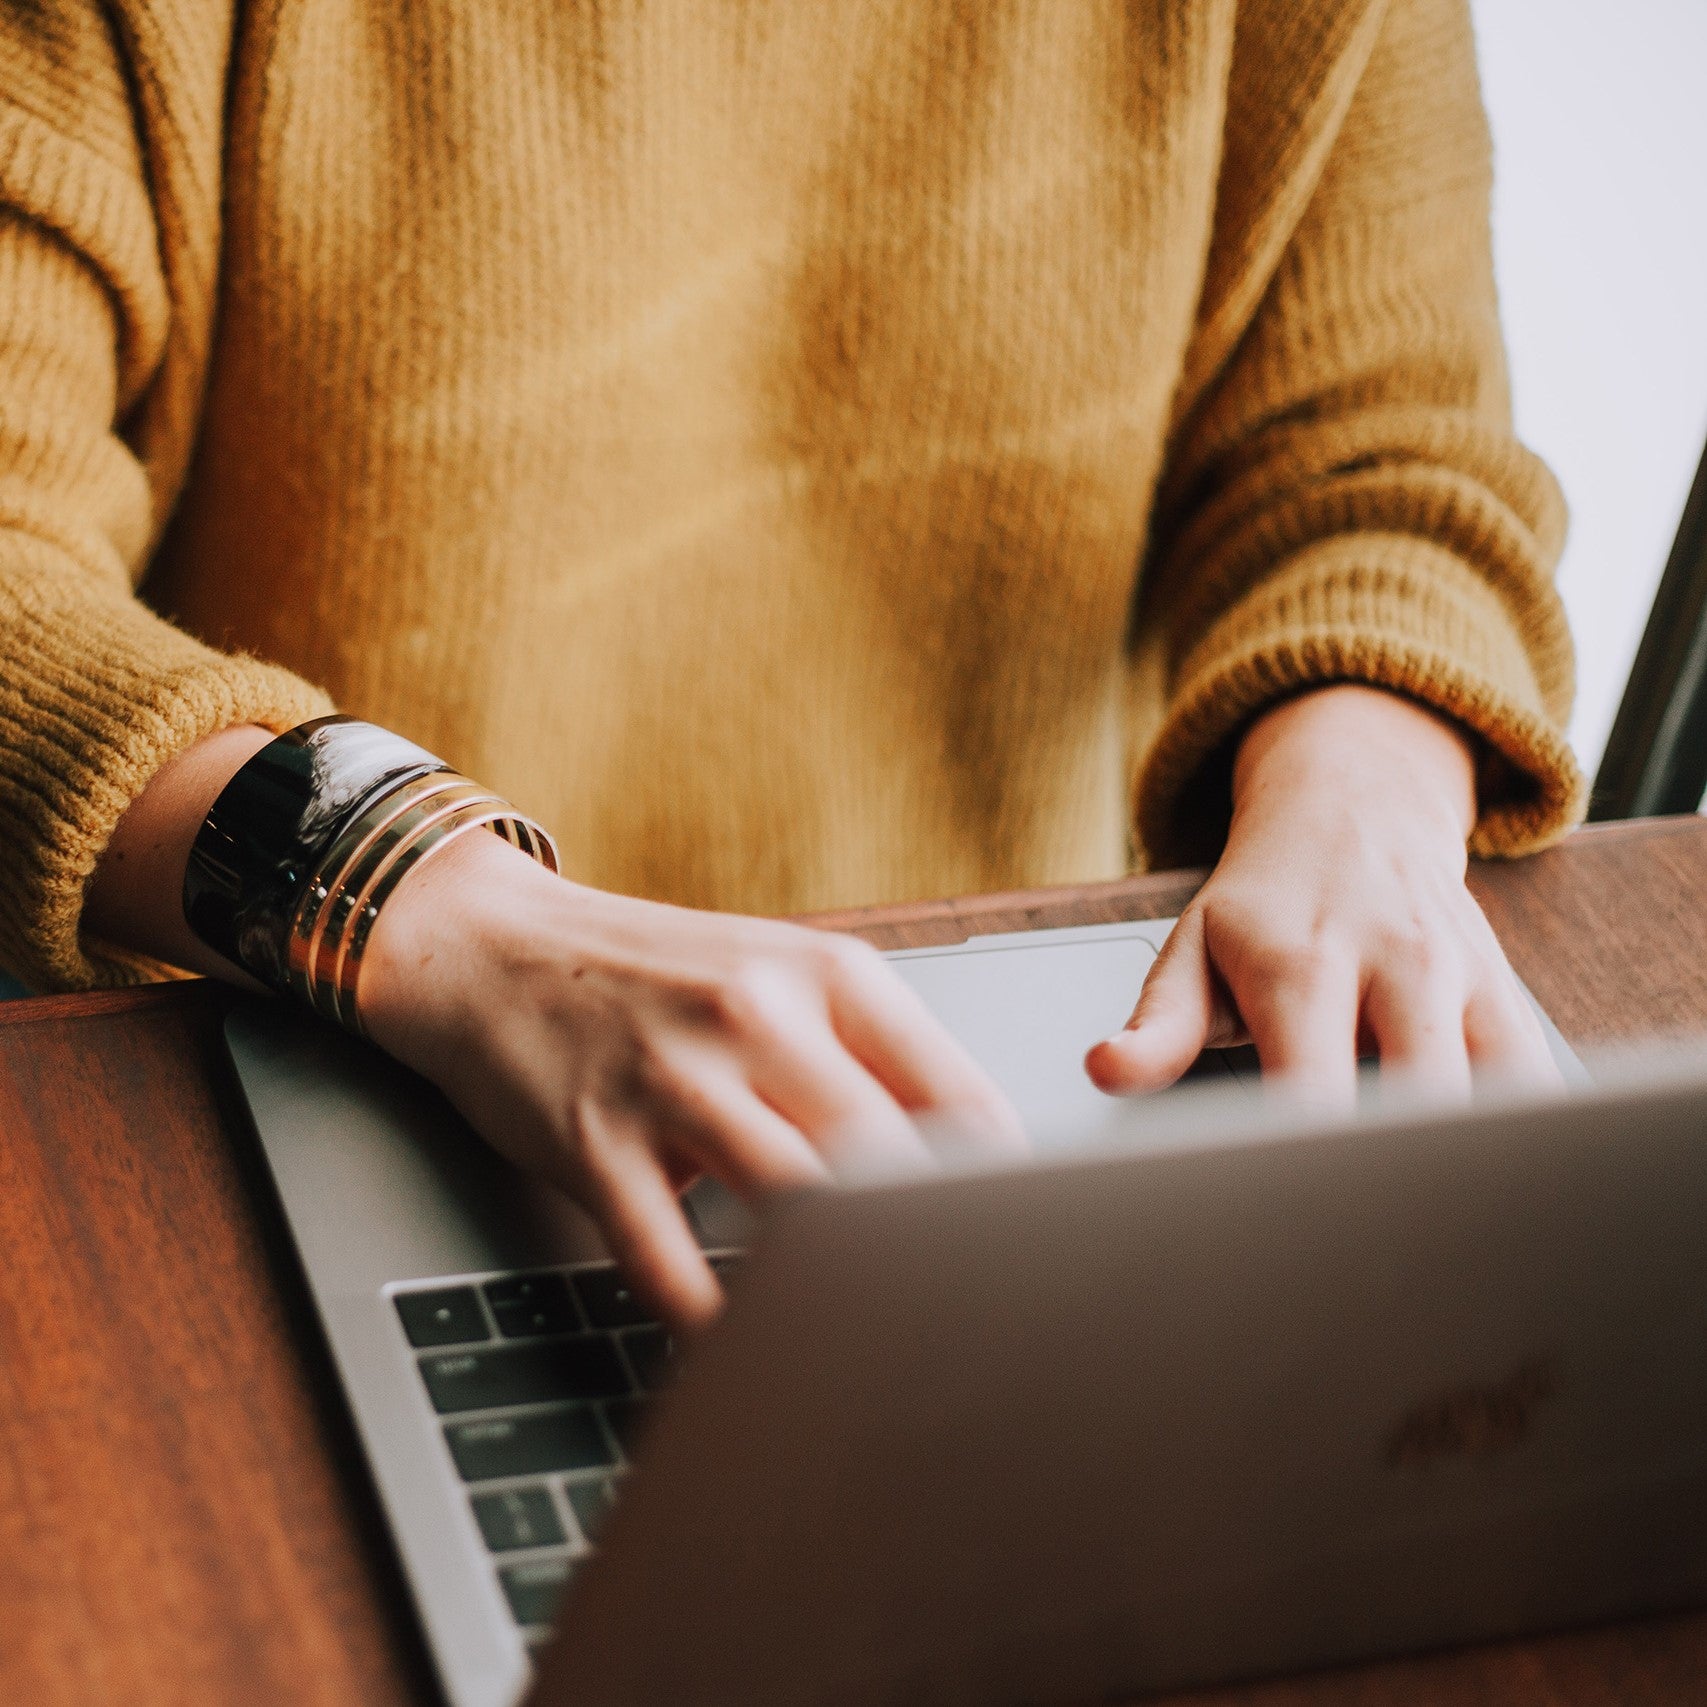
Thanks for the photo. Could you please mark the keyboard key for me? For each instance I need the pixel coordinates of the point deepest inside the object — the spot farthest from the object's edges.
(566, 1439)
(1242, 1063)
(518, 1517)
(651, 1354)
(527, 1304)
(449, 1315)
(608, 1299)
(1209, 1068)
(625, 1417)
(590, 1501)
(585, 1367)
(534, 1589)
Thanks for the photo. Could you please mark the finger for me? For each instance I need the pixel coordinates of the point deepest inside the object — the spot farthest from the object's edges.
(1504, 1036)
(1181, 1011)
(1300, 1007)
(733, 1133)
(1502, 1031)
(643, 1222)
(1417, 1023)
(849, 1118)
(887, 1027)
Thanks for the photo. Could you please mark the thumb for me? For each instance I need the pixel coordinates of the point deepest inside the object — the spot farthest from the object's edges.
(1181, 1011)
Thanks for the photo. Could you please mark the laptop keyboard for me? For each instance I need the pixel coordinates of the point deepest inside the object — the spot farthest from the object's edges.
(540, 1382)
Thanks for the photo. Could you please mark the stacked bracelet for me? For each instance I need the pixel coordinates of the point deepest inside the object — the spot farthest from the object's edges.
(310, 838)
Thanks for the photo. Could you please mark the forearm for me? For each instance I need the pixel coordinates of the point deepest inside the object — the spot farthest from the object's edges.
(135, 899)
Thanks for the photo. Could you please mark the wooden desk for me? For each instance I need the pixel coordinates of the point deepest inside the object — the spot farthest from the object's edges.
(183, 1514)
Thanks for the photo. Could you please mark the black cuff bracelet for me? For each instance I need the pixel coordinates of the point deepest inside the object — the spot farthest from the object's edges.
(272, 826)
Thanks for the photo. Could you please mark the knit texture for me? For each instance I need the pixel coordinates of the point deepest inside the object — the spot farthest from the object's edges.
(805, 454)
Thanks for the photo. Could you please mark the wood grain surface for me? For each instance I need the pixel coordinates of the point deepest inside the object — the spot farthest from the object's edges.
(183, 1513)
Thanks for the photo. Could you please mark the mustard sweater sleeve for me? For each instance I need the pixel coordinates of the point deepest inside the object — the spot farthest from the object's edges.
(96, 692)
(1346, 500)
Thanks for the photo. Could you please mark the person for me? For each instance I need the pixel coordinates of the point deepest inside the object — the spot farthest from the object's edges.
(801, 456)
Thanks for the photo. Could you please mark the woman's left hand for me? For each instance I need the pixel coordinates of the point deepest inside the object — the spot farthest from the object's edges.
(1337, 922)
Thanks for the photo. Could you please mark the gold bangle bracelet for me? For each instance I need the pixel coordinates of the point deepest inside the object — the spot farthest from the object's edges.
(322, 900)
(387, 839)
(338, 972)
(323, 909)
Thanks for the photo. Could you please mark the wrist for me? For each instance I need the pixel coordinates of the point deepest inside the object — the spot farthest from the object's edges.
(305, 846)
(427, 969)
(135, 896)
(1360, 744)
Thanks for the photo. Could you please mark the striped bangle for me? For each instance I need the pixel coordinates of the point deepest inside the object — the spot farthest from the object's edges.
(309, 840)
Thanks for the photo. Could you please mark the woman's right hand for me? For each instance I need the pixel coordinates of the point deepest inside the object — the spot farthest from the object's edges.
(619, 1048)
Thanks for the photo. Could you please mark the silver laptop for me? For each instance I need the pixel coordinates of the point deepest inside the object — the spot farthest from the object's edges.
(1207, 1389)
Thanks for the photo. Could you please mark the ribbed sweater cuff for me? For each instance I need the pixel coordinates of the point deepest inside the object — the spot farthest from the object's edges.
(97, 695)
(1388, 610)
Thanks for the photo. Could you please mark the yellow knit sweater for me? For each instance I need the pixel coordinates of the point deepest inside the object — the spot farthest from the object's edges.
(806, 451)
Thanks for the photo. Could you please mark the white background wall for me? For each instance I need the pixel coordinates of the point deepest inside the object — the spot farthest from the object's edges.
(1600, 241)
